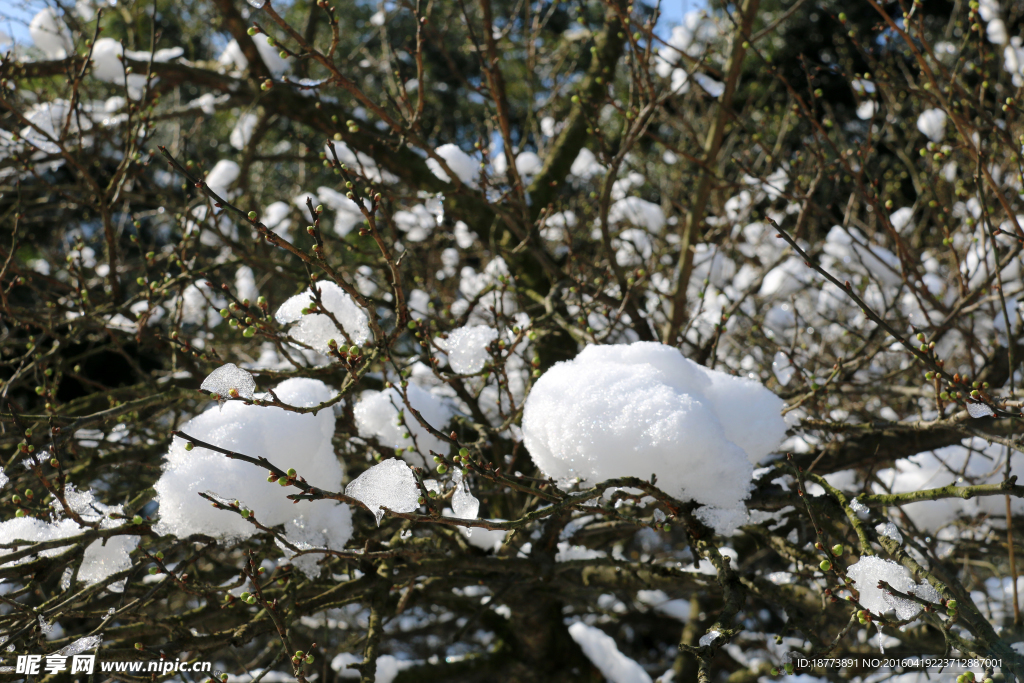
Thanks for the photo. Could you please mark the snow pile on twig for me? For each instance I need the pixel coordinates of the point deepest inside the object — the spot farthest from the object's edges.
(102, 558)
(602, 651)
(870, 570)
(635, 410)
(467, 348)
(384, 416)
(287, 440)
(317, 329)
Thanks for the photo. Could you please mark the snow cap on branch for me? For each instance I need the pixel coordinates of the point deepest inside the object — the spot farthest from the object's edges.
(317, 329)
(634, 410)
(287, 439)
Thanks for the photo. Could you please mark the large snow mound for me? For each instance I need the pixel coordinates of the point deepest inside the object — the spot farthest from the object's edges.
(638, 409)
(287, 439)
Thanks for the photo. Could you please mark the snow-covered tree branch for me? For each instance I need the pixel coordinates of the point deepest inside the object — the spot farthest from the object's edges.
(520, 342)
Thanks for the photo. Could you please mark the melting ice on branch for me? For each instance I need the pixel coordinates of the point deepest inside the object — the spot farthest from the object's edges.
(869, 570)
(390, 485)
(228, 378)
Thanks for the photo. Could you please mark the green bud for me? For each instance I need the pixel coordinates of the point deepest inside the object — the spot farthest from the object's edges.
(189, 446)
(136, 520)
(825, 565)
(252, 215)
(442, 468)
(251, 31)
(837, 549)
(292, 472)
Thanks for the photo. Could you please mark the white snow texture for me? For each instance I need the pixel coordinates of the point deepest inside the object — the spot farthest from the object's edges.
(287, 439)
(869, 570)
(390, 485)
(377, 416)
(634, 410)
(458, 161)
(467, 348)
(317, 329)
(227, 377)
(602, 651)
(101, 559)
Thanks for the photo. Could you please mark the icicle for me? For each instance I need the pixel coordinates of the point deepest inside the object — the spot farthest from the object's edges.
(881, 645)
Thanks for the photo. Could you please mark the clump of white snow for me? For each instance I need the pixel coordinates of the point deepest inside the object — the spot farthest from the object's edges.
(390, 485)
(221, 176)
(108, 65)
(869, 570)
(50, 34)
(287, 439)
(317, 329)
(380, 414)
(708, 638)
(463, 165)
(106, 558)
(639, 212)
(230, 378)
(889, 530)
(601, 650)
(101, 559)
(32, 530)
(977, 410)
(320, 526)
(243, 130)
(489, 540)
(467, 348)
(932, 122)
(678, 608)
(271, 56)
(634, 410)
(388, 666)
